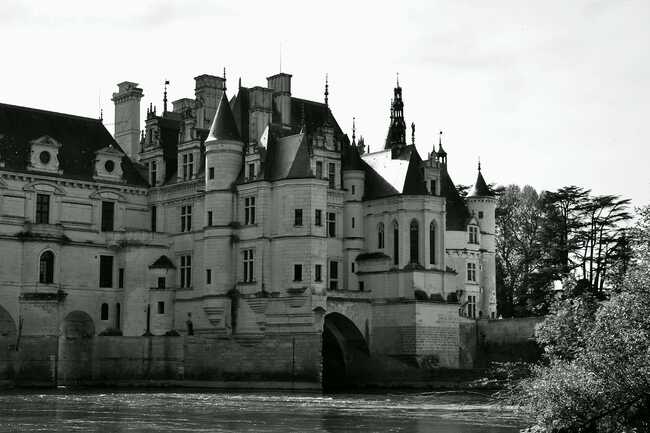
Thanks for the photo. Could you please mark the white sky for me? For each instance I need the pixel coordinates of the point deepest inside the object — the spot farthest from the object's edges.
(547, 93)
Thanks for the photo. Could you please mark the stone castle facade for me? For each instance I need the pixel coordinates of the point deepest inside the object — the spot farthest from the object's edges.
(254, 217)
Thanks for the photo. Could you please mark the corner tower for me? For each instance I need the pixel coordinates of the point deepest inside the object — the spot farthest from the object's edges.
(482, 204)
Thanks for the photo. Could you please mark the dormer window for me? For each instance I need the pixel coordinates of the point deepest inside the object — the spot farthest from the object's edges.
(45, 152)
(188, 166)
(108, 164)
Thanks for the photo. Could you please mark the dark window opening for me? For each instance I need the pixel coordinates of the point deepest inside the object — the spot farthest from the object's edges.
(432, 243)
(161, 307)
(120, 278)
(331, 224)
(162, 283)
(297, 217)
(211, 173)
(105, 271)
(209, 218)
(318, 273)
(42, 209)
(334, 275)
(318, 217)
(108, 216)
(395, 243)
(104, 312)
(331, 173)
(297, 272)
(208, 276)
(154, 217)
(46, 272)
(413, 241)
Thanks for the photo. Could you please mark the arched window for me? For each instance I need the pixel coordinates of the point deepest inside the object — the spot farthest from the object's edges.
(104, 312)
(432, 243)
(380, 236)
(46, 272)
(395, 243)
(414, 233)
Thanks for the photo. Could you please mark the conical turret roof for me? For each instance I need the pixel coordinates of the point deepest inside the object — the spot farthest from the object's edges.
(352, 159)
(480, 187)
(224, 126)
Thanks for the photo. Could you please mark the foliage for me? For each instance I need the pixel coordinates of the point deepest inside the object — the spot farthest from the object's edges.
(597, 372)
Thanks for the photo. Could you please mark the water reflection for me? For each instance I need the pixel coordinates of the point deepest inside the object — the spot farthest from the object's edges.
(251, 412)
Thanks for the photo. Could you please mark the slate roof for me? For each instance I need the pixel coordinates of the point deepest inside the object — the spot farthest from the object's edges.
(457, 213)
(224, 126)
(401, 172)
(480, 188)
(287, 157)
(162, 262)
(80, 138)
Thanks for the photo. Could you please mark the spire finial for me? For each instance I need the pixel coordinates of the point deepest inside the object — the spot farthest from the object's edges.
(397, 79)
(101, 114)
(240, 82)
(413, 133)
(440, 139)
(327, 91)
(224, 78)
(165, 97)
(479, 164)
(354, 131)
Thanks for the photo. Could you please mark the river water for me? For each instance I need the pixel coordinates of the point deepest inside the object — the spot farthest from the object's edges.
(200, 411)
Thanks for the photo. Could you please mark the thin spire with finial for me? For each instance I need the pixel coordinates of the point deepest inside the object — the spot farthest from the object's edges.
(224, 78)
(479, 164)
(327, 89)
(413, 133)
(440, 139)
(354, 131)
(101, 114)
(165, 97)
(304, 119)
(239, 82)
(397, 79)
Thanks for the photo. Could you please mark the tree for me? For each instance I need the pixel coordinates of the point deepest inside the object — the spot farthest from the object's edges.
(597, 372)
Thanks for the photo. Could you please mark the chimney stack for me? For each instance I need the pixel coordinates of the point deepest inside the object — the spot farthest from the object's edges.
(127, 117)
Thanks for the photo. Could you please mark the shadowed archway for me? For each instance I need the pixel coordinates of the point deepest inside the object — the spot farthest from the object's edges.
(75, 348)
(345, 352)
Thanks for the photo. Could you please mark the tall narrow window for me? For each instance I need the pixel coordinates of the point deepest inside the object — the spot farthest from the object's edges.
(190, 165)
(249, 210)
(118, 316)
(318, 272)
(432, 243)
(153, 173)
(251, 171)
(248, 266)
(297, 272)
(186, 218)
(331, 174)
(297, 217)
(380, 236)
(185, 166)
(108, 215)
(105, 271)
(104, 312)
(186, 271)
(395, 243)
(162, 283)
(154, 217)
(334, 275)
(432, 185)
(161, 307)
(473, 235)
(208, 276)
(46, 268)
(331, 224)
(471, 272)
(471, 306)
(352, 222)
(209, 218)
(120, 278)
(319, 169)
(414, 234)
(42, 209)
(211, 173)
(318, 217)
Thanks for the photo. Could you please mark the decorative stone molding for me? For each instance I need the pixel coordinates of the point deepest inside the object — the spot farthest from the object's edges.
(45, 155)
(108, 164)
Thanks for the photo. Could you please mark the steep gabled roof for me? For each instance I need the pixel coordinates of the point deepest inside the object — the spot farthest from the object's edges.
(162, 262)
(224, 126)
(80, 138)
(457, 213)
(287, 157)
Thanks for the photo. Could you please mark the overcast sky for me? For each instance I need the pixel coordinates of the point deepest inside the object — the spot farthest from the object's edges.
(546, 93)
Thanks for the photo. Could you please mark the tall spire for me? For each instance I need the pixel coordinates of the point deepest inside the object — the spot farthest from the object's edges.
(397, 130)
(441, 152)
(354, 132)
(327, 91)
(165, 97)
(479, 164)
(413, 133)
(224, 79)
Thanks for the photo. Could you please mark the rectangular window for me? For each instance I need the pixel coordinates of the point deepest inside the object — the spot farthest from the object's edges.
(334, 275)
(211, 173)
(331, 224)
(108, 214)
(208, 276)
(297, 272)
(209, 218)
(318, 218)
(153, 173)
(473, 235)
(471, 306)
(319, 169)
(352, 222)
(186, 218)
(162, 283)
(480, 214)
(361, 286)
(249, 210)
(471, 272)
(161, 307)
(120, 278)
(251, 171)
(297, 217)
(352, 265)
(248, 266)
(184, 166)
(432, 185)
(154, 217)
(188, 166)
(352, 189)
(42, 209)
(331, 174)
(105, 271)
(186, 271)
(318, 273)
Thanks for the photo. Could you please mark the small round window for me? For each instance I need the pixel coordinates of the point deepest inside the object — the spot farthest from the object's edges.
(45, 157)
(109, 166)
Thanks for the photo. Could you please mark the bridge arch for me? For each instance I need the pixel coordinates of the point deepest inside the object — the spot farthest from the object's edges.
(75, 348)
(345, 352)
